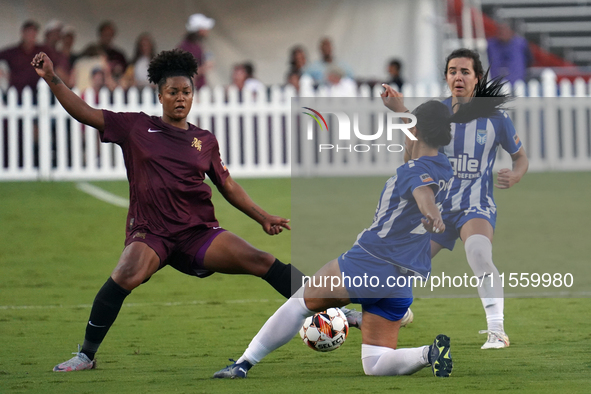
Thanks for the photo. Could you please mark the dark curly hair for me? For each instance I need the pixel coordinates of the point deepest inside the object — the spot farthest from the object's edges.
(174, 63)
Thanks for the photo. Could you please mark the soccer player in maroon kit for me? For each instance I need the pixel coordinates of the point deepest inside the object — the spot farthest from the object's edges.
(171, 217)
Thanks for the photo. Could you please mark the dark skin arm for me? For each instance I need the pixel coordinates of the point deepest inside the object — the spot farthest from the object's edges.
(71, 102)
(237, 196)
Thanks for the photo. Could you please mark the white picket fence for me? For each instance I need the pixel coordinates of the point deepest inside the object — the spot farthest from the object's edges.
(42, 142)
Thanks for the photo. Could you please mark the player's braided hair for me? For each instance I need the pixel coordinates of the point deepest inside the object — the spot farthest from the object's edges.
(172, 63)
(434, 120)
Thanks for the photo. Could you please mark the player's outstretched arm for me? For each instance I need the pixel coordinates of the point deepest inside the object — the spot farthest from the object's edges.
(506, 177)
(425, 199)
(237, 196)
(71, 102)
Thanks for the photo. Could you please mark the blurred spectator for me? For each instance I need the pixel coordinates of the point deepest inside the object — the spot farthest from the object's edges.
(243, 78)
(318, 69)
(61, 64)
(85, 66)
(67, 45)
(508, 54)
(137, 72)
(115, 57)
(339, 84)
(297, 60)
(18, 58)
(238, 76)
(251, 83)
(394, 74)
(198, 27)
(297, 66)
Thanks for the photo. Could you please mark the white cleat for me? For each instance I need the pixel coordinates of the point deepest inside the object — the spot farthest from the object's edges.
(496, 339)
(407, 318)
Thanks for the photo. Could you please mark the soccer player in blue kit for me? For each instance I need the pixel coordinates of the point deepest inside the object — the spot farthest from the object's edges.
(469, 211)
(396, 246)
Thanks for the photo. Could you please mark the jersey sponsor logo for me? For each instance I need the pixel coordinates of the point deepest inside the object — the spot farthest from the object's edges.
(150, 130)
(516, 139)
(465, 167)
(139, 235)
(426, 178)
(197, 144)
(481, 136)
(223, 165)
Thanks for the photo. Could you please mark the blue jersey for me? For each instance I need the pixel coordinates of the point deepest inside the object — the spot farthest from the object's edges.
(397, 235)
(472, 153)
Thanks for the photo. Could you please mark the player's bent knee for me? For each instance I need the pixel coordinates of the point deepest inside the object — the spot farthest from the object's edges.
(259, 262)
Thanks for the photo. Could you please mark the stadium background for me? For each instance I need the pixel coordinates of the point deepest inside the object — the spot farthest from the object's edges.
(57, 244)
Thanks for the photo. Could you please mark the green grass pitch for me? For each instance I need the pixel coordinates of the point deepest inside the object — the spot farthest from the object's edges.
(58, 246)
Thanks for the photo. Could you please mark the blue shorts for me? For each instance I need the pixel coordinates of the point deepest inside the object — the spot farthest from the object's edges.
(381, 288)
(455, 220)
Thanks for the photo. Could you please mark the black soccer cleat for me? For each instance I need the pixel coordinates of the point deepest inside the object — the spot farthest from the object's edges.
(440, 356)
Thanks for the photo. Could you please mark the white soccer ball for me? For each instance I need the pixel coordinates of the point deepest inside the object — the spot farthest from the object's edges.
(325, 331)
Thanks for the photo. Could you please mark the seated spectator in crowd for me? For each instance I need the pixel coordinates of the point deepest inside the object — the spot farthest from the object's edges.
(394, 77)
(318, 69)
(137, 71)
(251, 83)
(198, 27)
(297, 60)
(61, 64)
(18, 58)
(339, 84)
(508, 54)
(115, 57)
(85, 66)
(243, 78)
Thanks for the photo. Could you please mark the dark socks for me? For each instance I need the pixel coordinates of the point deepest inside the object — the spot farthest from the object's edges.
(104, 311)
(286, 279)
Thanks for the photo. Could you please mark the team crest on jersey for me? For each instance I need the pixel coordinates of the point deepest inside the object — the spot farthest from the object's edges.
(481, 136)
(197, 144)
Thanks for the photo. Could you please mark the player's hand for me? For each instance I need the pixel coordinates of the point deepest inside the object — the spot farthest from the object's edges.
(433, 225)
(274, 225)
(393, 99)
(506, 178)
(43, 65)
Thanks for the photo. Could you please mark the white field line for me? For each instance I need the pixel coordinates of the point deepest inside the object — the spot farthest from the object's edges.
(103, 195)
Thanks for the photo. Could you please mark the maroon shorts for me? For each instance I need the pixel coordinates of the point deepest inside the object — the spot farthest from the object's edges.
(184, 251)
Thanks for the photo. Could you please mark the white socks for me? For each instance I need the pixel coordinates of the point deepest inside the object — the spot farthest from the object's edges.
(479, 254)
(384, 361)
(279, 329)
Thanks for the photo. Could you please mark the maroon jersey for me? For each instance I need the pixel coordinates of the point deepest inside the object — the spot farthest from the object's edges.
(166, 167)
